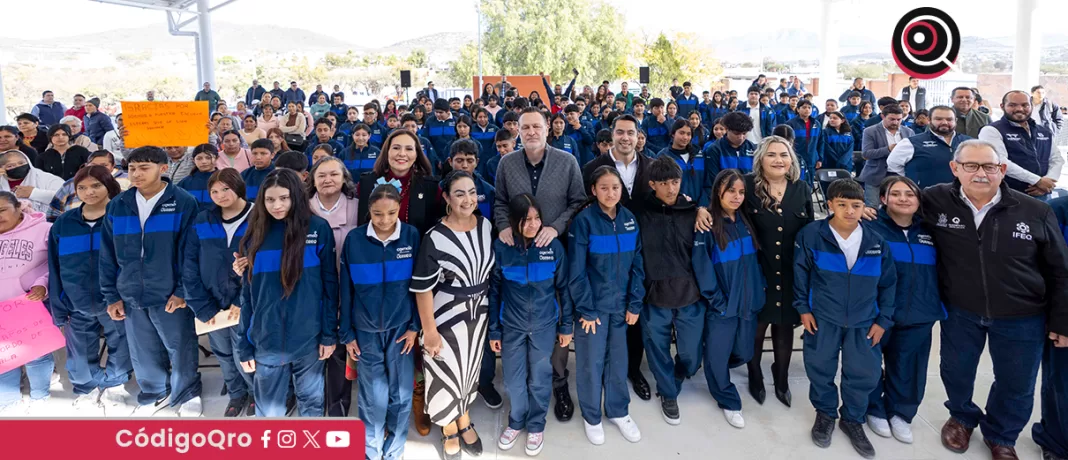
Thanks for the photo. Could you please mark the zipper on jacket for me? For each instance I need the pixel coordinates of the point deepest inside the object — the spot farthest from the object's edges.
(382, 311)
(619, 257)
(912, 278)
(982, 269)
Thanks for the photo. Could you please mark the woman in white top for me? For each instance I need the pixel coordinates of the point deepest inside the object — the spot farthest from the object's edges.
(29, 184)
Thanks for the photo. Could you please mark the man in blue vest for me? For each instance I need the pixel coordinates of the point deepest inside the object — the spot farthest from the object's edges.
(925, 157)
(49, 110)
(1024, 146)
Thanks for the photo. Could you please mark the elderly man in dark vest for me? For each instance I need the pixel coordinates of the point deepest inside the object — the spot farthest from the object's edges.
(1026, 147)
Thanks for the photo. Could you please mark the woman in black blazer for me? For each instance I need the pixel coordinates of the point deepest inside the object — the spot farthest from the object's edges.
(779, 204)
(421, 202)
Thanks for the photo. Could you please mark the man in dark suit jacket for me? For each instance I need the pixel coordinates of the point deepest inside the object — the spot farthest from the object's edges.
(430, 92)
(916, 96)
(876, 147)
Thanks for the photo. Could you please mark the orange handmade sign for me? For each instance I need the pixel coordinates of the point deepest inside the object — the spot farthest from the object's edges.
(165, 124)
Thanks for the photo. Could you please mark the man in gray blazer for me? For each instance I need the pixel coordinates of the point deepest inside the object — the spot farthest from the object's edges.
(878, 141)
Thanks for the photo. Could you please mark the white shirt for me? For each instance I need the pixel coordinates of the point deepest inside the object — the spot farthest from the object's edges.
(144, 206)
(980, 214)
(902, 155)
(894, 138)
(231, 227)
(993, 136)
(322, 209)
(628, 171)
(912, 97)
(393, 237)
(754, 134)
(851, 245)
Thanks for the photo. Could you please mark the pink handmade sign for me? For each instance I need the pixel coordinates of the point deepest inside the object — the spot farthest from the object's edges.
(26, 333)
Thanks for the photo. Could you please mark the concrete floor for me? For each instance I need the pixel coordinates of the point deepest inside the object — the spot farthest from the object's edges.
(772, 431)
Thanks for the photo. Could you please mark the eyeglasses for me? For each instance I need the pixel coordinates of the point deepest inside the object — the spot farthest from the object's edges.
(989, 168)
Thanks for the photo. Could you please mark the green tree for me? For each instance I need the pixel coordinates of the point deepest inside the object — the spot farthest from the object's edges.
(683, 56)
(663, 64)
(528, 37)
(418, 59)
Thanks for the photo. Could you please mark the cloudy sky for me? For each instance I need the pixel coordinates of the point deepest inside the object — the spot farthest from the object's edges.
(375, 24)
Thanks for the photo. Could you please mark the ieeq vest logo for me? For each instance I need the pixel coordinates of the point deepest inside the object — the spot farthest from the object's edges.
(1023, 232)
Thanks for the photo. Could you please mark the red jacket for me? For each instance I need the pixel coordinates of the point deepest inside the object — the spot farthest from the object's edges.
(77, 112)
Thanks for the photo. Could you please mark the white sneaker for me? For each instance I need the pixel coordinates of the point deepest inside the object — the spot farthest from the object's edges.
(535, 441)
(734, 417)
(508, 438)
(88, 405)
(628, 428)
(151, 409)
(901, 429)
(38, 408)
(14, 410)
(595, 433)
(55, 384)
(117, 402)
(191, 408)
(879, 426)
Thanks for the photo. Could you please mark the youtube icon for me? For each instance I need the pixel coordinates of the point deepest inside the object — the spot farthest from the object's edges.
(338, 439)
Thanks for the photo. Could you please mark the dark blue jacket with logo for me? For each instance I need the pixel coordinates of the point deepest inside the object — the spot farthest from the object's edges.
(693, 173)
(686, 105)
(730, 279)
(768, 117)
(583, 141)
(359, 161)
(827, 288)
(143, 268)
(917, 300)
(253, 177)
(806, 142)
(441, 134)
(74, 267)
(836, 150)
(210, 282)
(374, 282)
(314, 142)
(197, 185)
(712, 113)
(605, 268)
(567, 144)
(486, 139)
(529, 290)
(720, 155)
(277, 329)
(379, 133)
(1029, 150)
(657, 135)
(930, 159)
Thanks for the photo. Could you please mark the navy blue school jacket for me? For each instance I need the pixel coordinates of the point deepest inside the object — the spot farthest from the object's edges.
(657, 135)
(583, 140)
(836, 150)
(278, 329)
(605, 268)
(730, 279)
(767, 117)
(528, 289)
(807, 142)
(827, 288)
(253, 177)
(74, 267)
(567, 144)
(686, 105)
(917, 298)
(486, 193)
(374, 282)
(208, 276)
(490, 171)
(313, 142)
(379, 133)
(359, 161)
(485, 138)
(145, 280)
(720, 155)
(197, 185)
(693, 173)
(441, 134)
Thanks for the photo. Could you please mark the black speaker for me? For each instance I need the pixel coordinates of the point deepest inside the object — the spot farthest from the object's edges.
(406, 79)
(643, 75)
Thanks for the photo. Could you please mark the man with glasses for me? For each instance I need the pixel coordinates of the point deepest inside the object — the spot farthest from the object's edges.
(1024, 146)
(1002, 271)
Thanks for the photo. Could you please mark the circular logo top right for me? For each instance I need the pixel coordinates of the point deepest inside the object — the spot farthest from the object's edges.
(926, 43)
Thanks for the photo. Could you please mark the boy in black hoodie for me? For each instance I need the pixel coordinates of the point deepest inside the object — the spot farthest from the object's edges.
(672, 296)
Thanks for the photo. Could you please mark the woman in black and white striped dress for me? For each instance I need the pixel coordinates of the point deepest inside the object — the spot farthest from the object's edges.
(451, 284)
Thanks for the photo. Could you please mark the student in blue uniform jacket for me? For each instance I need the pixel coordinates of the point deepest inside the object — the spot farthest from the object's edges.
(464, 125)
(767, 115)
(732, 151)
(530, 312)
(379, 323)
(581, 133)
(373, 119)
(687, 102)
(690, 160)
(836, 143)
(605, 280)
(338, 107)
(657, 127)
(289, 297)
(1051, 433)
(260, 168)
(140, 277)
(807, 139)
(844, 289)
(324, 134)
(204, 156)
(505, 144)
(351, 119)
(484, 132)
(360, 155)
(464, 157)
(906, 346)
(672, 297)
(732, 285)
(212, 285)
(852, 108)
(558, 137)
(440, 130)
(77, 303)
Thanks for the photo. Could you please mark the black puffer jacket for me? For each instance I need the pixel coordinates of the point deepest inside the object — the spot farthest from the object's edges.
(667, 234)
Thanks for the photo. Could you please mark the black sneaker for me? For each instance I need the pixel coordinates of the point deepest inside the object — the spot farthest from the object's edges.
(235, 407)
(822, 429)
(564, 408)
(491, 397)
(251, 411)
(670, 408)
(855, 432)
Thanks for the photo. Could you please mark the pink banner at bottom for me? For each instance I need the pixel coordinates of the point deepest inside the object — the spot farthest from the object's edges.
(26, 333)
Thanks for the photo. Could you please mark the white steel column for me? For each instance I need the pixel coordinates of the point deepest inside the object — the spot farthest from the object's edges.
(205, 49)
(3, 104)
(1028, 50)
(829, 56)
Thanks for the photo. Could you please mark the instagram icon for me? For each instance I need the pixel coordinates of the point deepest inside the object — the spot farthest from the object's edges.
(287, 439)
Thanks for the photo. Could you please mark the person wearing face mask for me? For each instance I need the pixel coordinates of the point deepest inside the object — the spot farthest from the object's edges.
(1025, 147)
(925, 158)
(1000, 255)
(17, 175)
(333, 197)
